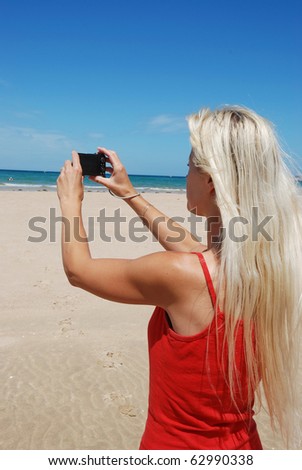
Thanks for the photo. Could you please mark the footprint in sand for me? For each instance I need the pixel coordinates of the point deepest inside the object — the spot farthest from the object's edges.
(114, 397)
(66, 326)
(110, 360)
(42, 284)
(65, 301)
(122, 401)
(128, 410)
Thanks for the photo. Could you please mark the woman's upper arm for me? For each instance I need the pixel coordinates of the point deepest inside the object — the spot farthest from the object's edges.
(149, 280)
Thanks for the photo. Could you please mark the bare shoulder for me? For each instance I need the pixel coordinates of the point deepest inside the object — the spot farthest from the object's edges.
(180, 263)
(169, 261)
(175, 272)
(192, 310)
(178, 272)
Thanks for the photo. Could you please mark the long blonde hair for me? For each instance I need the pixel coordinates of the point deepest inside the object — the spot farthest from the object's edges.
(262, 268)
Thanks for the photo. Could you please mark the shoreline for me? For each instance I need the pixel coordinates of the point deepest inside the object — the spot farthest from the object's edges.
(88, 189)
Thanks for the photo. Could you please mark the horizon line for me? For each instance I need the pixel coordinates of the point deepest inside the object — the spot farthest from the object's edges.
(129, 174)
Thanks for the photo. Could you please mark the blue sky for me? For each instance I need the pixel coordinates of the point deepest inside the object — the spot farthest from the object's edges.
(124, 74)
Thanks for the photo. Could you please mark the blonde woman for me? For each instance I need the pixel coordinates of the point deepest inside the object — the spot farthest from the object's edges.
(227, 314)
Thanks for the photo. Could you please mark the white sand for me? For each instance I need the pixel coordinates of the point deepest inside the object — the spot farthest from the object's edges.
(73, 367)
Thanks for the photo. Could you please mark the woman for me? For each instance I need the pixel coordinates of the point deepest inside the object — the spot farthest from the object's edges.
(227, 314)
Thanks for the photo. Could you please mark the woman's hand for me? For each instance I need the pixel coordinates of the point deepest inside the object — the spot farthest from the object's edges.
(119, 182)
(70, 182)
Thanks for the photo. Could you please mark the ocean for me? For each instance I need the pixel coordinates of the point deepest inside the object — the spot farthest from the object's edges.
(46, 180)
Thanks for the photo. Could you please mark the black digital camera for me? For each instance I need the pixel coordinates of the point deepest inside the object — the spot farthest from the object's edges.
(93, 164)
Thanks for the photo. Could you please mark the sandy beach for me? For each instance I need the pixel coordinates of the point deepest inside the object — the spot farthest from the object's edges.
(73, 367)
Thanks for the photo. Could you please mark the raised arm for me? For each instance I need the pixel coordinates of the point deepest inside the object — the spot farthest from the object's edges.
(148, 280)
(171, 235)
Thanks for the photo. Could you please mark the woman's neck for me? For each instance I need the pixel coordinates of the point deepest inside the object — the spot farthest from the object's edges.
(214, 232)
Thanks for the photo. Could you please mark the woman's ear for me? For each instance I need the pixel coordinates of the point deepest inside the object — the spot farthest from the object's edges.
(211, 185)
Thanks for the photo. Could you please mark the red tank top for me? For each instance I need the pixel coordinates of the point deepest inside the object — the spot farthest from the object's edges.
(190, 406)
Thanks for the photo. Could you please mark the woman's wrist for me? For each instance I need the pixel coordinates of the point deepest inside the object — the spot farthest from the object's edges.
(69, 205)
(123, 192)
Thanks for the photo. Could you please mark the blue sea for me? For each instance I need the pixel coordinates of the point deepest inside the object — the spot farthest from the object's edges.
(46, 180)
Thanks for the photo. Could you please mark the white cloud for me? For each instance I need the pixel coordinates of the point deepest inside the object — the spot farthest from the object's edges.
(27, 138)
(95, 135)
(29, 148)
(4, 83)
(167, 123)
(26, 114)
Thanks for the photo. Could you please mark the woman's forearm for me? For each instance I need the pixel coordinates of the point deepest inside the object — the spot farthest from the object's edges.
(75, 248)
(171, 235)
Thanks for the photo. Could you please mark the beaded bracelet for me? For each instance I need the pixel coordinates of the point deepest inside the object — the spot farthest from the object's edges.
(124, 197)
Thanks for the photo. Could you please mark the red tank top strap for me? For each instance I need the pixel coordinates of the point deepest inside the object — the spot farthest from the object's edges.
(207, 275)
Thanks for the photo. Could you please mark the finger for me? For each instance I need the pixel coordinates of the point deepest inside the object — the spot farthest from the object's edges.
(76, 160)
(99, 179)
(112, 156)
(107, 152)
(103, 150)
(67, 164)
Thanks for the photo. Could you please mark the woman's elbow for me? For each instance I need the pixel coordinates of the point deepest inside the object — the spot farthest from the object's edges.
(73, 277)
